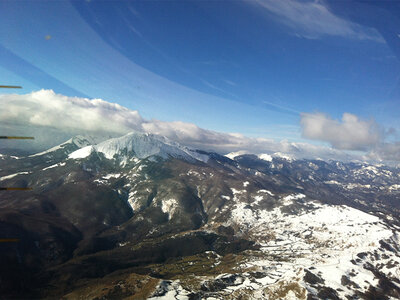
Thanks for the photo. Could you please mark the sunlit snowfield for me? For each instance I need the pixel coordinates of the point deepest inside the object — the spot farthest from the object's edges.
(335, 243)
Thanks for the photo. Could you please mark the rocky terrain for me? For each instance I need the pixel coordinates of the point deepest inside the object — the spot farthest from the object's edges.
(143, 217)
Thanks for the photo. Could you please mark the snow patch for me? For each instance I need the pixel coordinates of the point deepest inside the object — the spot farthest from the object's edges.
(13, 175)
(112, 176)
(169, 206)
(232, 155)
(53, 166)
(266, 191)
(81, 153)
(265, 157)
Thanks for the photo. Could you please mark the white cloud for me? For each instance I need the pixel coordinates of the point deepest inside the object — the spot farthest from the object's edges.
(52, 118)
(350, 134)
(385, 152)
(45, 108)
(312, 19)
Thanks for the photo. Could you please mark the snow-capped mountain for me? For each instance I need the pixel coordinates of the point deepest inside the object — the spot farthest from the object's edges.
(141, 216)
(139, 145)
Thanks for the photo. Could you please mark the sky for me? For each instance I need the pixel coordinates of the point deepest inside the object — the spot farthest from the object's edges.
(320, 72)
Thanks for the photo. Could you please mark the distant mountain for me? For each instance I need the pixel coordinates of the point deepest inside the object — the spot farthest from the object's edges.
(144, 217)
(72, 144)
(139, 145)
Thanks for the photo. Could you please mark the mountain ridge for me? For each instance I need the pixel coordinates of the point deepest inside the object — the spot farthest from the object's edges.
(139, 145)
(195, 228)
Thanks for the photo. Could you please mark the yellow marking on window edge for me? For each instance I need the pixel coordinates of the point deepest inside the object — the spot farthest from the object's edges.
(10, 87)
(17, 137)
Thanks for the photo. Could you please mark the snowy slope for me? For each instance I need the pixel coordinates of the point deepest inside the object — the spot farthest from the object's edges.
(76, 142)
(319, 249)
(232, 155)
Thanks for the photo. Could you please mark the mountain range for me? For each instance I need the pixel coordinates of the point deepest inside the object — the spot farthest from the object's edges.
(142, 216)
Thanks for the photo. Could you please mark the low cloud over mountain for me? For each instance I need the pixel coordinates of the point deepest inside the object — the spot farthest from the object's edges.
(52, 118)
(350, 134)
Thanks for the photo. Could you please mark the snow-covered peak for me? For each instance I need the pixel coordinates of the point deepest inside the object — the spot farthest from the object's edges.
(140, 145)
(77, 142)
(81, 141)
(283, 156)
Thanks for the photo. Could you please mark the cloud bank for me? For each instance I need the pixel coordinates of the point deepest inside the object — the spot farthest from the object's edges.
(350, 134)
(52, 118)
(312, 19)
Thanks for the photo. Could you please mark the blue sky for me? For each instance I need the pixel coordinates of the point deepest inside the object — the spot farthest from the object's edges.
(232, 66)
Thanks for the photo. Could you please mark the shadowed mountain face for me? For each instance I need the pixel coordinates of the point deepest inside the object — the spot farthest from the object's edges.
(142, 216)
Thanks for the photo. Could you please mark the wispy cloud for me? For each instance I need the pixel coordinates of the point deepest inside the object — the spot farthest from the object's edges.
(217, 63)
(135, 31)
(231, 83)
(281, 108)
(313, 19)
(212, 86)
